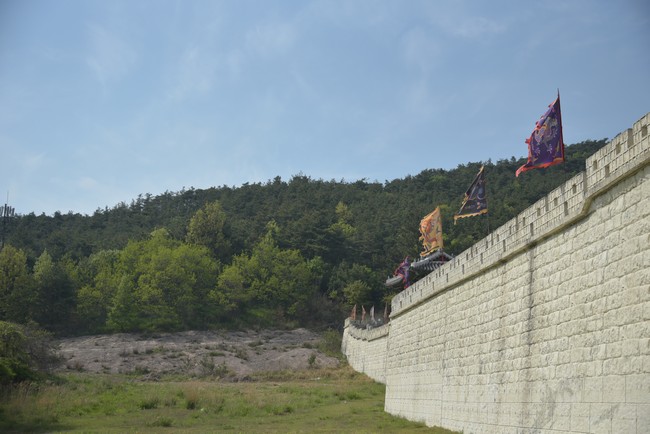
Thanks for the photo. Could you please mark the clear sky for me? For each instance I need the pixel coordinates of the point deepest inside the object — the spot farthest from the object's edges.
(103, 100)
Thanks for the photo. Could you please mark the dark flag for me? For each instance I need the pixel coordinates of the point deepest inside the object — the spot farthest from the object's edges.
(475, 200)
(545, 144)
(404, 270)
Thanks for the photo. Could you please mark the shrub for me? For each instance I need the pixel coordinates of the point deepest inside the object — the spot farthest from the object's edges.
(25, 352)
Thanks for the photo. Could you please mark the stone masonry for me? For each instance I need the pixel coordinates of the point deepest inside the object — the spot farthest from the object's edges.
(541, 327)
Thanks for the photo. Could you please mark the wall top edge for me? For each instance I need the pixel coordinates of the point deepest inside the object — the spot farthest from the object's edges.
(515, 233)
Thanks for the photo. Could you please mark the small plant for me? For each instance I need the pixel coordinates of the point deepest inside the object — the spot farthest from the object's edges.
(76, 365)
(241, 353)
(207, 365)
(279, 410)
(312, 360)
(163, 421)
(221, 370)
(140, 370)
(149, 404)
(331, 343)
(191, 403)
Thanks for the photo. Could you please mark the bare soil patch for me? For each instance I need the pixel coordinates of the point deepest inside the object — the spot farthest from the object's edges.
(227, 355)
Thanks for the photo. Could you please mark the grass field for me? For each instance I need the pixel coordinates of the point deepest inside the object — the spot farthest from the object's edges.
(318, 400)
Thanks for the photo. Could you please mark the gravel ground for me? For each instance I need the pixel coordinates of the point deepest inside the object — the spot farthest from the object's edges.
(227, 355)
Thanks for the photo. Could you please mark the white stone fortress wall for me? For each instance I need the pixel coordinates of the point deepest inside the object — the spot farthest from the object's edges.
(544, 325)
(366, 350)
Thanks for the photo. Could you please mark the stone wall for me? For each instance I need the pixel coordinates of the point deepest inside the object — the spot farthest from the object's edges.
(366, 349)
(544, 325)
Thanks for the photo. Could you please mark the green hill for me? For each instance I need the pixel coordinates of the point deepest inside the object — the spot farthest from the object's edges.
(296, 252)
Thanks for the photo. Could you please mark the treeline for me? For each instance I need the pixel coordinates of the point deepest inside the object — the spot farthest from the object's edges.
(297, 252)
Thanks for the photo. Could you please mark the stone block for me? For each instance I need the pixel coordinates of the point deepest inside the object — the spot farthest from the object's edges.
(643, 418)
(593, 389)
(600, 418)
(637, 388)
(614, 388)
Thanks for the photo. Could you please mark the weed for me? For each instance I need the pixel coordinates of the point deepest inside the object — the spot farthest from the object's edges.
(288, 401)
(208, 367)
(191, 403)
(191, 395)
(163, 421)
(241, 353)
(280, 410)
(140, 370)
(149, 403)
(331, 343)
(76, 365)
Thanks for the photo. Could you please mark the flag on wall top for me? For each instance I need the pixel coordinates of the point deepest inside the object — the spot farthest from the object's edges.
(545, 144)
(475, 200)
(404, 270)
(431, 232)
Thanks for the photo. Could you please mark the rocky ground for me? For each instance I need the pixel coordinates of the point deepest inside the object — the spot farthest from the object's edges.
(227, 355)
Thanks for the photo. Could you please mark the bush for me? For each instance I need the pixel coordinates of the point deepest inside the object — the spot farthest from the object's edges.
(25, 353)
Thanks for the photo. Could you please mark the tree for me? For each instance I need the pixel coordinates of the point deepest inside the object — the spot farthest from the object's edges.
(25, 352)
(164, 285)
(206, 228)
(124, 314)
(16, 285)
(274, 282)
(97, 279)
(54, 299)
(357, 292)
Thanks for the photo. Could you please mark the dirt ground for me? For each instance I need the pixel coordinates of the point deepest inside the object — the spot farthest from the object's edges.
(227, 355)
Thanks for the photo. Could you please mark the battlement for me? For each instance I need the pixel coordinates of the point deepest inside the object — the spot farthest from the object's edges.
(627, 153)
(542, 326)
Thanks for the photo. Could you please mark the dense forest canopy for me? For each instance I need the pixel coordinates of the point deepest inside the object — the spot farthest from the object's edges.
(278, 253)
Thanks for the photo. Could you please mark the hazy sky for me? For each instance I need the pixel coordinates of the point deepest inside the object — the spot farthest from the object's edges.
(103, 100)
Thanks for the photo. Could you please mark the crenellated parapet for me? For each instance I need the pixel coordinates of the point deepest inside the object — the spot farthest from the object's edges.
(542, 326)
(628, 152)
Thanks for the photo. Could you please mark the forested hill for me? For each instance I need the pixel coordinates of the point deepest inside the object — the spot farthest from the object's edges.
(341, 238)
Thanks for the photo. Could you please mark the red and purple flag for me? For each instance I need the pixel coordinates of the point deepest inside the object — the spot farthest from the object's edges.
(404, 271)
(545, 145)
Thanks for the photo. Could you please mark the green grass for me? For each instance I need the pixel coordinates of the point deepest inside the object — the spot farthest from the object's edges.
(315, 400)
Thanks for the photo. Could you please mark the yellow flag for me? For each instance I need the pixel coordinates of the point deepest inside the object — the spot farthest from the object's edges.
(431, 232)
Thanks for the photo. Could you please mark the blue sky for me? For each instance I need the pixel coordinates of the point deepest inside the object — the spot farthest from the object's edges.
(103, 100)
